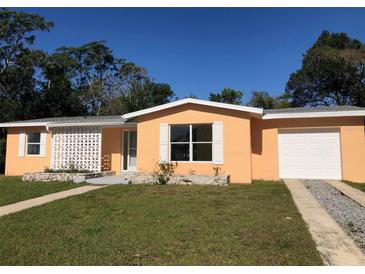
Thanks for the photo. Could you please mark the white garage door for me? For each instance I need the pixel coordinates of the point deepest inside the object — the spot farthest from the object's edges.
(311, 154)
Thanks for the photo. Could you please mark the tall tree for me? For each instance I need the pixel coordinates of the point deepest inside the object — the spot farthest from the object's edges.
(90, 69)
(227, 95)
(332, 73)
(19, 63)
(262, 99)
(58, 97)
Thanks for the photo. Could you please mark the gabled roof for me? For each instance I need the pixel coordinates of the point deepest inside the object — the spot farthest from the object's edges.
(313, 112)
(255, 111)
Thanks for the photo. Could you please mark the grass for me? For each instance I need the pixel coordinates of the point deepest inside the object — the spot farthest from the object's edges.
(12, 189)
(360, 186)
(256, 224)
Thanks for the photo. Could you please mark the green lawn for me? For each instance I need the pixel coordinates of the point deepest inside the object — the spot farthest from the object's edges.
(12, 189)
(255, 224)
(360, 186)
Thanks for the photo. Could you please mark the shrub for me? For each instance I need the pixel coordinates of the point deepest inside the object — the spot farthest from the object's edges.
(164, 171)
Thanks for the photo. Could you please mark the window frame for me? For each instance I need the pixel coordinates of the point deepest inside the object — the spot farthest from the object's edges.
(190, 143)
(32, 143)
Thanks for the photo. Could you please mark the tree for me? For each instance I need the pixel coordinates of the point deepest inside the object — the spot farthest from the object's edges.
(58, 97)
(91, 69)
(227, 95)
(332, 73)
(19, 63)
(262, 99)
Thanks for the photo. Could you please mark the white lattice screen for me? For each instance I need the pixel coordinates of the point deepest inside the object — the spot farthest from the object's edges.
(79, 147)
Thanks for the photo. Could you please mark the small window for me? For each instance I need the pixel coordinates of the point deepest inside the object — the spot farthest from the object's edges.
(33, 143)
(191, 142)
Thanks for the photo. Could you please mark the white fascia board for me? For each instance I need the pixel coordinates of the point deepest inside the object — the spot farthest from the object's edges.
(83, 124)
(314, 114)
(69, 124)
(192, 101)
(23, 124)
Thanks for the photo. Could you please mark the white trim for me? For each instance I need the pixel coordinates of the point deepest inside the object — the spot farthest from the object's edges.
(43, 145)
(128, 151)
(192, 101)
(25, 124)
(218, 144)
(68, 124)
(98, 123)
(314, 114)
(21, 144)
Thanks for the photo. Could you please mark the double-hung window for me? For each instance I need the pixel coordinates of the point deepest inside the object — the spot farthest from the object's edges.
(191, 142)
(33, 143)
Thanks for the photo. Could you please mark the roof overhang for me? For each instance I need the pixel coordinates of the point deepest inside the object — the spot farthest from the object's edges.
(251, 110)
(347, 113)
(86, 124)
(25, 124)
(69, 124)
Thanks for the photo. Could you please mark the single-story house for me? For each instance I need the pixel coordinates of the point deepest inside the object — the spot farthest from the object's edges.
(245, 142)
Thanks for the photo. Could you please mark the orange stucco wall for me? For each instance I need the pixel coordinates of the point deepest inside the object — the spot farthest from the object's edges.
(16, 165)
(236, 140)
(111, 149)
(264, 138)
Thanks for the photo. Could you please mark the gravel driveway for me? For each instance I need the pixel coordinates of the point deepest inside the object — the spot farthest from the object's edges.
(347, 213)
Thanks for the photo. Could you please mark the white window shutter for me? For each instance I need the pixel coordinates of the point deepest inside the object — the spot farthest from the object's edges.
(164, 136)
(42, 150)
(218, 142)
(21, 144)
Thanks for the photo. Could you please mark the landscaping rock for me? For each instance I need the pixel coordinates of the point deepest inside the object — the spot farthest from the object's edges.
(135, 178)
(63, 177)
(346, 212)
(148, 178)
(198, 180)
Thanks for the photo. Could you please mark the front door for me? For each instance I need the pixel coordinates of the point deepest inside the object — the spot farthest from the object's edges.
(129, 150)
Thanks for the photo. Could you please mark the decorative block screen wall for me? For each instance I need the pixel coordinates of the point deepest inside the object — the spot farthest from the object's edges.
(78, 147)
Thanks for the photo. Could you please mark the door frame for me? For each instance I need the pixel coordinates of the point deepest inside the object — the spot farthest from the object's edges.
(128, 150)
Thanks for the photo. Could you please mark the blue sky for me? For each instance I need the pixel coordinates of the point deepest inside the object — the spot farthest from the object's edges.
(200, 50)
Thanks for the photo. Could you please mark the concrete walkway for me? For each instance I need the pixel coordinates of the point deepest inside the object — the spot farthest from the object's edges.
(334, 245)
(12, 208)
(355, 194)
(107, 180)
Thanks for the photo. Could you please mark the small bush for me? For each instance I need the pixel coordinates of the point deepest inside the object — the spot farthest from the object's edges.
(164, 171)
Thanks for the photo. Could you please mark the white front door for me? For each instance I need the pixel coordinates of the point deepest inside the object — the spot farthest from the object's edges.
(129, 150)
(309, 154)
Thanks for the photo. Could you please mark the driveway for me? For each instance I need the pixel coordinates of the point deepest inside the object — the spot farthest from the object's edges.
(334, 245)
